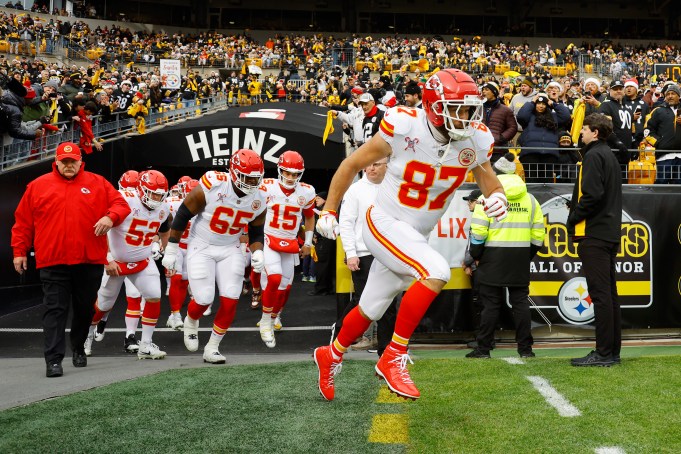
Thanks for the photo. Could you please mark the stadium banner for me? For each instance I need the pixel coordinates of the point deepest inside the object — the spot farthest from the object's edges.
(671, 70)
(269, 129)
(647, 265)
(171, 74)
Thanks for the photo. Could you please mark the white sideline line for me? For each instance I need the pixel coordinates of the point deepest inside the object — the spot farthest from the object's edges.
(168, 330)
(609, 450)
(553, 397)
(512, 360)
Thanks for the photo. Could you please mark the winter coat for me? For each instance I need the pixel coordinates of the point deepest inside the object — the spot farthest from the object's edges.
(535, 136)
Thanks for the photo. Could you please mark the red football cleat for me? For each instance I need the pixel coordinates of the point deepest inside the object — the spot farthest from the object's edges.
(328, 368)
(392, 367)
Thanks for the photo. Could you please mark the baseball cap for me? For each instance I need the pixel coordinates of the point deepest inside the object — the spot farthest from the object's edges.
(616, 84)
(474, 195)
(68, 150)
(365, 97)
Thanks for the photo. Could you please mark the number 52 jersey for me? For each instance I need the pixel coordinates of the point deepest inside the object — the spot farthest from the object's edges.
(423, 174)
(225, 216)
(131, 240)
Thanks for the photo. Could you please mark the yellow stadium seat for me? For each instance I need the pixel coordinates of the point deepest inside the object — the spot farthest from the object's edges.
(4, 46)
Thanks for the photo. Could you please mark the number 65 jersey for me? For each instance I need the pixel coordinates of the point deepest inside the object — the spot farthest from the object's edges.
(419, 184)
(226, 214)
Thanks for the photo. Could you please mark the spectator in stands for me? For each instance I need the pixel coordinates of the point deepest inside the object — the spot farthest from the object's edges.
(541, 120)
(663, 133)
(72, 86)
(638, 109)
(525, 95)
(592, 95)
(613, 107)
(498, 118)
(13, 101)
(412, 95)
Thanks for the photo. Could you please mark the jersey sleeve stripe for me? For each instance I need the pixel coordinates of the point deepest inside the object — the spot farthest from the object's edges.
(387, 128)
(401, 256)
(206, 182)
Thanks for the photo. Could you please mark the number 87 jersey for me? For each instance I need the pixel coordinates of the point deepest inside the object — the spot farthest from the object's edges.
(423, 174)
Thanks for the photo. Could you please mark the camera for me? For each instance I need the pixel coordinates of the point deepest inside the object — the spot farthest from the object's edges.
(52, 95)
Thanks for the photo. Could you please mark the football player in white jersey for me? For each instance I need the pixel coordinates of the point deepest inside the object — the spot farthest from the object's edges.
(431, 152)
(287, 199)
(224, 204)
(131, 247)
(178, 284)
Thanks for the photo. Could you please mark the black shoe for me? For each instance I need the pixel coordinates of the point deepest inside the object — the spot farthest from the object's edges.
(131, 344)
(472, 344)
(477, 353)
(54, 370)
(593, 359)
(319, 292)
(79, 359)
(528, 354)
(616, 359)
(99, 332)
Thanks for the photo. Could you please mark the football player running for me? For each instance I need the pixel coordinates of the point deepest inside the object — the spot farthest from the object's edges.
(431, 151)
(224, 204)
(178, 284)
(132, 245)
(287, 198)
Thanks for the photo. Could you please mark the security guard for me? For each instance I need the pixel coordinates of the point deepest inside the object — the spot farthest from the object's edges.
(504, 251)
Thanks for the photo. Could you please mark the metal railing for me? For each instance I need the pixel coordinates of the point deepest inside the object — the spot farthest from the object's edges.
(24, 152)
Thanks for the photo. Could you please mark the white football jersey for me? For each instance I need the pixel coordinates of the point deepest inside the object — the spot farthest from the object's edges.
(417, 188)
(130, 241)
(226, 215)
(174, 204)
(284, 212)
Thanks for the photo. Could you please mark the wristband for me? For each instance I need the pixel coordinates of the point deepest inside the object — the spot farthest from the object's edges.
(308, 238)
(333, 212)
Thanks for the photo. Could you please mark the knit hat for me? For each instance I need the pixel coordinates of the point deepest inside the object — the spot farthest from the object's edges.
(527, 82)
(594, 80)
(15, 87)
(505, 164)
(357, 90)
(493, 87)
(675, 88)
(412, 88)
(631, 83)
(557, 85)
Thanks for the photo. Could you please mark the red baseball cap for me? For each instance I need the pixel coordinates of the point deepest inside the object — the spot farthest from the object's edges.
(68, 150)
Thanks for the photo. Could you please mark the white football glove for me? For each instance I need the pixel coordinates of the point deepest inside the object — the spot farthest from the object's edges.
(496, 206)
(171, 259)
(327, 225)
(258, 261)
(156, 252)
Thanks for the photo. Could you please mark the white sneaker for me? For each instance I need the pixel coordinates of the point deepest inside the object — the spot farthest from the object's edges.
(277, 323)
(99, 331)
(208, 311)
(150, 350)
(267, 334)
(212, 355)
(191, 334)
(175, 321)
(88, 344)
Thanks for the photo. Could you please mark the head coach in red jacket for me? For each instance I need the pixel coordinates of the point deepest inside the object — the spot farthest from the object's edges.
(65, 215)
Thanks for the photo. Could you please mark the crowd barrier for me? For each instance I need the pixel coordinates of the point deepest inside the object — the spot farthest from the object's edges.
(25, 151)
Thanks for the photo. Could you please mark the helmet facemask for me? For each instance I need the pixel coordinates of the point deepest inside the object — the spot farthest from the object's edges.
(239, 179)
(283, 179)
(442, 107)
(148, 201)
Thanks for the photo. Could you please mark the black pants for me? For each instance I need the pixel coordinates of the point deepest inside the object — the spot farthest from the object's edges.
(598, 262)
(64, 285)
(326, 265)
(386, 325)
(492, 298)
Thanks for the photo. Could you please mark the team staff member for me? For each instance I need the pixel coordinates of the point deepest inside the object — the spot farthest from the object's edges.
(595, 222)
(65, 215)
(494, 245)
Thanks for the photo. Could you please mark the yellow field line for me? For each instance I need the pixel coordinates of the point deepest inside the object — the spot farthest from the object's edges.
(389, 428)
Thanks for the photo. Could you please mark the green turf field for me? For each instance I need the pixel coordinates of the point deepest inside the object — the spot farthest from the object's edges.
(467, 406)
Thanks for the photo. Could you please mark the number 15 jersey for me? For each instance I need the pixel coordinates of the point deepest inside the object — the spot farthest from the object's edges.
(226, 214)
(417, 187)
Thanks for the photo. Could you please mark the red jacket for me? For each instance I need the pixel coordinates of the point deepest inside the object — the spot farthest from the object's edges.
(57, 216)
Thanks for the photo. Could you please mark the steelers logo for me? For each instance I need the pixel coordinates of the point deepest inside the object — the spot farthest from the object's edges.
(574, 302)
(466, 157)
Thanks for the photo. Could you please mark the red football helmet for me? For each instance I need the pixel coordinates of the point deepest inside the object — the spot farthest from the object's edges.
(452, 88)
(128, 180)
(191, 184)
(152, 188)
(182, 182)
(290, 161)
(174, 191)
(246, 165)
